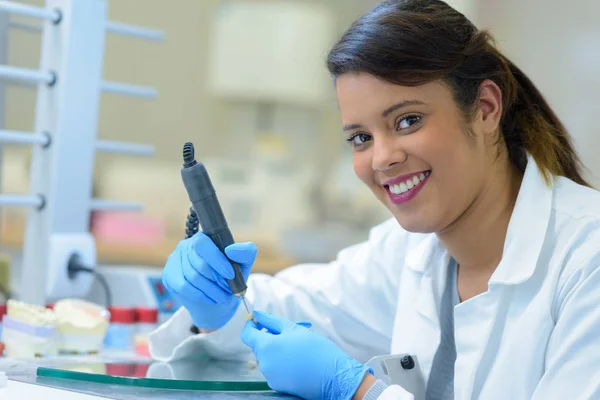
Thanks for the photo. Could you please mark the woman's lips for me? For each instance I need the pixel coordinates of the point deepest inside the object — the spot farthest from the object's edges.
(404, 188)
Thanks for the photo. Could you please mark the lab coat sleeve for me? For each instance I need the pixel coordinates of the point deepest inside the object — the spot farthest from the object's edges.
(174, 340)
(573, 354)
(351, 300)
(396, 392)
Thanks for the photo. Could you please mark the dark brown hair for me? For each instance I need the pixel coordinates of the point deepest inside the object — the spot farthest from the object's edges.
(413, 42)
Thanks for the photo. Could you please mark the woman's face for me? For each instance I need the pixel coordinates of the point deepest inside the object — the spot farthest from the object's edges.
(414, 150)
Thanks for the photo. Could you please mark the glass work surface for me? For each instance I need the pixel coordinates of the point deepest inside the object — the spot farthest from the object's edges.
(203, 375)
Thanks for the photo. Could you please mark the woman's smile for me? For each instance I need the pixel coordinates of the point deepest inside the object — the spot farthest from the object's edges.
(404, 188)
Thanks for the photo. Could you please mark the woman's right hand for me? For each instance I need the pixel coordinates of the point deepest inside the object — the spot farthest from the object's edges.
(196, 275)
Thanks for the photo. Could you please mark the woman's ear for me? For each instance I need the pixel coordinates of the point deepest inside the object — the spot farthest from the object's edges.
(490, 108)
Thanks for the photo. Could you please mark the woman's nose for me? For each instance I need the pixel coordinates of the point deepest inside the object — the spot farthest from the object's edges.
(386, 153)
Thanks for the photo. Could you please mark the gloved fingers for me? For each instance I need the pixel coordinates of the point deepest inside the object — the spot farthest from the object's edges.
(246, 268)
(202, 268)
(199, 283)
(305, 324)
(174, 281)
(204, 247)
(252, 336)
(194, 295)
(242, 253)
(190, 294)
(273, 324)
(173, 278)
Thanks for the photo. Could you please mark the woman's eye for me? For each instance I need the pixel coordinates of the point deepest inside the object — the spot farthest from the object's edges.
(408, 121)
(359, 139)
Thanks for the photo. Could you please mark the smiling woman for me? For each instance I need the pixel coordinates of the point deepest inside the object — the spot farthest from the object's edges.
(488, 274)
(411, 48)
(417, 95)
(399, 132)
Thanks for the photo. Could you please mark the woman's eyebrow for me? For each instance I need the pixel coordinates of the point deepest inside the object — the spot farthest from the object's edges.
(400, 105)
(352, 127)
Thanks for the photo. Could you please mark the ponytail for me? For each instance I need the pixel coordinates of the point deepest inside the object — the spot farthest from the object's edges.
(530, 125)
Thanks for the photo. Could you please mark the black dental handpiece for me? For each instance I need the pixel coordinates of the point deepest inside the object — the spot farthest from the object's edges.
(209, 213)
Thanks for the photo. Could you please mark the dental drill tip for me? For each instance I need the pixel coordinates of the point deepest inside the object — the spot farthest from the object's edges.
(245, 304)
(248, 312)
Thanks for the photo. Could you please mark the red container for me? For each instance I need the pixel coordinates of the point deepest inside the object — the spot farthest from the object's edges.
(121, 332)
(147, 321)
(146, 315)
(122, 315)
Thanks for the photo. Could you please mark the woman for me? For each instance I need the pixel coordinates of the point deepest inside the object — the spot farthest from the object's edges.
(489, 271)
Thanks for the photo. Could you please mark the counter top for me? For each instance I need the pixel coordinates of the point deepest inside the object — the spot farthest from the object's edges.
(21, 390)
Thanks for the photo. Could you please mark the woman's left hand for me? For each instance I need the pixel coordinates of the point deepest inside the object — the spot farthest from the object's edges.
(295, 360)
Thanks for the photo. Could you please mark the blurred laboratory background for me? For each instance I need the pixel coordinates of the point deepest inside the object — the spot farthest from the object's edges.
(245, 81)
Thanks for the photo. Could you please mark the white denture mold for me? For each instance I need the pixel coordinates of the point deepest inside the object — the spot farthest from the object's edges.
(28, 331)
(80, 326)
(29, 313)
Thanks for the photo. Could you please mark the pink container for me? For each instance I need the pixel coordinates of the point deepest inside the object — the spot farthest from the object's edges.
(126, 228)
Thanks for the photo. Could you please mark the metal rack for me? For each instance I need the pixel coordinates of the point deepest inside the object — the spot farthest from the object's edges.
(69, 86)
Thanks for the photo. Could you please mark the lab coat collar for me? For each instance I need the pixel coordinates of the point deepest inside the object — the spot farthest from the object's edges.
(430, 258)
(527, 228)
(524, 239)
(423, 254)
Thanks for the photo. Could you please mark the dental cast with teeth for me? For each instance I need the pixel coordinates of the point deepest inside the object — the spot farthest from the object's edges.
(485, 280)
(72, 326)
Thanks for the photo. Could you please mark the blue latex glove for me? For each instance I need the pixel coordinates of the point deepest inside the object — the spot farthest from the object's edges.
(196, 274)
(296, 360)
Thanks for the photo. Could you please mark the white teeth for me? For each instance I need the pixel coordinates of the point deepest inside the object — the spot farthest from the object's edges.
(29, 313)
(409, 184)
(427, 173)
(80, 317)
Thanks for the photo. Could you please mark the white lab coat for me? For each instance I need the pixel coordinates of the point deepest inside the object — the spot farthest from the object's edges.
(535, 334)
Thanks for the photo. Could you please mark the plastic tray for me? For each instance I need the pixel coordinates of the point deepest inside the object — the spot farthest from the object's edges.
(203, 375)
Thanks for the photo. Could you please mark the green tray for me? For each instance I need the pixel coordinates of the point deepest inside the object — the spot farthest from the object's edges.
(227, 384)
